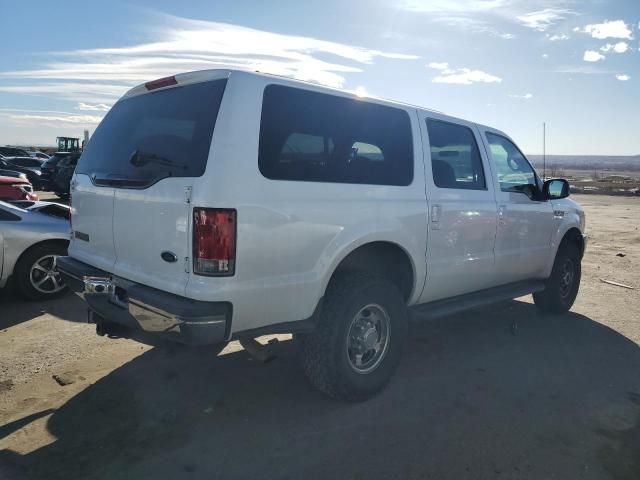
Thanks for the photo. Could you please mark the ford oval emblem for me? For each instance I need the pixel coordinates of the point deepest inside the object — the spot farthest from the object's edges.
(169, 257)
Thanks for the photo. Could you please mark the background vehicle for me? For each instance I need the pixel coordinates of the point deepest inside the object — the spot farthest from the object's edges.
(50, 169)
(32, 236)
(68, 144)
(12, 173)
(12, 188)
(61, 176)
(39, 155)
(218, 205)
(13, 152)
(31, 167)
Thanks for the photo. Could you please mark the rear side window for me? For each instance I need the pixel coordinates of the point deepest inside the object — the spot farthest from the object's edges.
(455, 158)
(166, 133)
(315, 137)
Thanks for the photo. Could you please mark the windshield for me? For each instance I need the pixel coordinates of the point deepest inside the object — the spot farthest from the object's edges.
(166, 133)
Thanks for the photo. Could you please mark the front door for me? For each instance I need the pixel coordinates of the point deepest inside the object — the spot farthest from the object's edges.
(525, 223)
(462, 210)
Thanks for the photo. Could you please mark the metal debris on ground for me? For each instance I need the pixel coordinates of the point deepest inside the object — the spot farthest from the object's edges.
(610, 282)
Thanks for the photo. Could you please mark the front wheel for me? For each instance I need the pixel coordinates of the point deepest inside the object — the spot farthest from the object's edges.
(561, 288)
(358, 343)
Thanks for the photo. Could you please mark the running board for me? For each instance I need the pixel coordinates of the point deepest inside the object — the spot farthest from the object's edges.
(450, 306)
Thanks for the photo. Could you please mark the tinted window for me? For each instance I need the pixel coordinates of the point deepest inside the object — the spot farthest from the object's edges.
(514, 171)
(316, 137)
(155, 135)
(455, 158)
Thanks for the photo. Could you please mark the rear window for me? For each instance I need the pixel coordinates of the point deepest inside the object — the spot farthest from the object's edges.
(160, 134)
(315, 137)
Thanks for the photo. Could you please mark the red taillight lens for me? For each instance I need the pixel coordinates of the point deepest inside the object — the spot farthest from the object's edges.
(161, 82)
(214, 241)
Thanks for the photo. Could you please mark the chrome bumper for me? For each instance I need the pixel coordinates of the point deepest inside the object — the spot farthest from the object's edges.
(147, 309)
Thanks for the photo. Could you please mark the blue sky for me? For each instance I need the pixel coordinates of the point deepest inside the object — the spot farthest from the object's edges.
(511, 64)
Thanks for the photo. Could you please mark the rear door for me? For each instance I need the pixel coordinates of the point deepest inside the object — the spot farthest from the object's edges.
(147, 152)
(462, 210)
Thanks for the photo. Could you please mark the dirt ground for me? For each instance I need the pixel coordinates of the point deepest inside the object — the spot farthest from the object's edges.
(558, 400)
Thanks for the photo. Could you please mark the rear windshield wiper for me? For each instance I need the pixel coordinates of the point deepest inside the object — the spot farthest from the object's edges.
(140, 158)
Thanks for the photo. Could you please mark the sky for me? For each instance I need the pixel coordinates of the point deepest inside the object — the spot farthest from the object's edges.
(510, 64)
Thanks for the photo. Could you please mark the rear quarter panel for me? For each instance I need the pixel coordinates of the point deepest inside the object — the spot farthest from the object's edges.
(291, 234)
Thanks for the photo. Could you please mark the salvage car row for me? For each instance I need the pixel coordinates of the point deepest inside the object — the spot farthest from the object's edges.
(52, 174)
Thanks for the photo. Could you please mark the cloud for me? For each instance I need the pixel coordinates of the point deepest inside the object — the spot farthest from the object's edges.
(619, 47)
(76, 91)
(443, 6)
(99, 76)
(623, 77)
(592, 56)
(526, 96)
(608, 29)
(584, 70)
(461, 76)
(83, 119)
(541, 20)
(555, 38)
(545, 55)
(100, 107)
(438, 65)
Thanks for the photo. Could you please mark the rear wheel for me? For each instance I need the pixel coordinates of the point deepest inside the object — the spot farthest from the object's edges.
(36, 275)
(561, 288)
(359, 340)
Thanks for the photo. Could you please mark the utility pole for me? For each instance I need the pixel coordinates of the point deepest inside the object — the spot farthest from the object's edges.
(544, 151)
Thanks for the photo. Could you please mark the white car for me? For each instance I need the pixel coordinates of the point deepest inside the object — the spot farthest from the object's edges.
(221, 205)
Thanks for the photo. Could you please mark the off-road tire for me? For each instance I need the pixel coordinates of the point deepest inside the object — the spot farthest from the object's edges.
(556, 297)
(325, 357)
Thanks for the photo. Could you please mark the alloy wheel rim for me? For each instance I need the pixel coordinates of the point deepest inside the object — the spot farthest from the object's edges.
(368, 338)
(43, 275)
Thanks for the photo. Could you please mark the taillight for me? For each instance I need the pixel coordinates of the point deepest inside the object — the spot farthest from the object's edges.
(214, 241)
(161, 82)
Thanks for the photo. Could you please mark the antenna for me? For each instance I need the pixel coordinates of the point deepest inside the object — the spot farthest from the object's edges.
(544, 151)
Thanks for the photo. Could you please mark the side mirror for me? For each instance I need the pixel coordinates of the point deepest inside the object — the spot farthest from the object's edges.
(555, 189)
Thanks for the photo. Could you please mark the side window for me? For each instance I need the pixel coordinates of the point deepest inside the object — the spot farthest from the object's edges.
(455, 158)
(8, 216)
(513, 169)
(316, 137)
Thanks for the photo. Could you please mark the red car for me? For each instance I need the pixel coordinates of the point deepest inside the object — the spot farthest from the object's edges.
(12, 188)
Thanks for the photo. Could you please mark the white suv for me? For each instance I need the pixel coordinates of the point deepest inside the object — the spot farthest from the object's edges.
(220, 205)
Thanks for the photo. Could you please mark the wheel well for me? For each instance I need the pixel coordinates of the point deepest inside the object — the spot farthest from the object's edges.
(64, 243)
(573, 237)
(385, 259)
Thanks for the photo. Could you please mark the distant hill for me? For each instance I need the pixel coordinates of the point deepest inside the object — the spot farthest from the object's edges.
(589, 162)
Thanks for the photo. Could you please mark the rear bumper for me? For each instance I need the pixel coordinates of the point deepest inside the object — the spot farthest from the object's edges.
(147, 309)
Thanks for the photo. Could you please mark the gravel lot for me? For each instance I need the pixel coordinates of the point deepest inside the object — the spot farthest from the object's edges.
(558, 400)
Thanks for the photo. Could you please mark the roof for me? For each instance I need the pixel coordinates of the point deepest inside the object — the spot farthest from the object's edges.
(212, 74)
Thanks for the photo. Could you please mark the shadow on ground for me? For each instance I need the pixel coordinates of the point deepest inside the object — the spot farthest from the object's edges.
(14, 309)
(558, 400)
